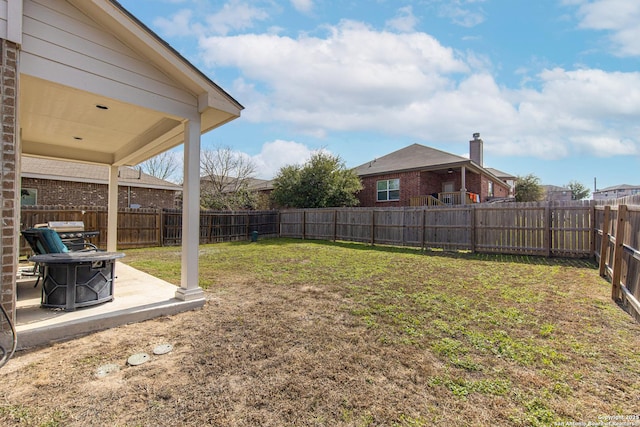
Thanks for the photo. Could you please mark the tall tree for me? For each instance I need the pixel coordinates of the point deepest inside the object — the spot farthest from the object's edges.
(528, 189)
(323, 181)
(578, 191)
(165, 165)
(225, 178)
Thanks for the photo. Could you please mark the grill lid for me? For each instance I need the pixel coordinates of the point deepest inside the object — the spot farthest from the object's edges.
(66, 226)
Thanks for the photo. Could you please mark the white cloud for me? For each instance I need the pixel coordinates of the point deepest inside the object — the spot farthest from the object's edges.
(619, 17)
(179, 25)
(273, 155)
(461, 12)
(404, 22)
(279, 153)
(576, 112)
(616, 94)
(304, 6)
(358, 79)
(234, 15)
(315, 80)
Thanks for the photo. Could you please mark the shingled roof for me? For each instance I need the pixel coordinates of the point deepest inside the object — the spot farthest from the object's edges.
(500, 174)
(417, 157)
(36, 167)
(413, 157)
(619, 187)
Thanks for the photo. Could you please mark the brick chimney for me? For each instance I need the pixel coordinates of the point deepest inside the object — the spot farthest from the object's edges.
(475, 149)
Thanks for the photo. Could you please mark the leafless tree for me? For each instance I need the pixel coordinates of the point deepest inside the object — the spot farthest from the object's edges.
(225, 176)
(166, 165)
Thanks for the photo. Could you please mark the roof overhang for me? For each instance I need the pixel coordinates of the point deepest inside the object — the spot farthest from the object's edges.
(444, 169)
(62, 113)
(121, 182)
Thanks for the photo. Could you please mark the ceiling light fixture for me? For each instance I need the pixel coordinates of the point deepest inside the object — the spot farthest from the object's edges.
(102, 107)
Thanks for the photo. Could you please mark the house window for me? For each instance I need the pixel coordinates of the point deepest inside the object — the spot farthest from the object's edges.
(490, 191)
(388, 189)
(28, 197)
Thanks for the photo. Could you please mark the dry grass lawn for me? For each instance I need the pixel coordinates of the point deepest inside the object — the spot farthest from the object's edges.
(299, 333)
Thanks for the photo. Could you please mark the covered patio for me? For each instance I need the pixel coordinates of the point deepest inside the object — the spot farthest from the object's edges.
(93, 84)
(138, 296)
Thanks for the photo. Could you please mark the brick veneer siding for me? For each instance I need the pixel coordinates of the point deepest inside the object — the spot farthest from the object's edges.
(9, 164)
(68, 193)
(413, 184)
(431, 182)
(473, 182)
(500, 189)
(409, 187)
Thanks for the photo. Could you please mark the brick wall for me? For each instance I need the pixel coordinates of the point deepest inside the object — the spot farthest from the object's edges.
(474, 184)
(9, 164)
(500, 189)
(430, 183)
(68, 193)
(414, 184)
(558, 196)
(409, 187)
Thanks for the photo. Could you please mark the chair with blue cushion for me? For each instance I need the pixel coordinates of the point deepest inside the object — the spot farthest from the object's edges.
(47, 241)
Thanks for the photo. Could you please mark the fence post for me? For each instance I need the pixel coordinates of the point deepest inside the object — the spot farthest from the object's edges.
(617, 253)
(373, 227)
(547, 230)
(335, 224)
(604, 244)
(159, 226)
(247, 226)
(424, 227)
(473, 227)
(592, 224)
(304, 224)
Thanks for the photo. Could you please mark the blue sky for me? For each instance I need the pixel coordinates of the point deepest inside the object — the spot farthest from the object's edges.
(552, 86)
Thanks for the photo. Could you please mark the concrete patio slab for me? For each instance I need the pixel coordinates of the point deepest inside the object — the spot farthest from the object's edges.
(137, 297)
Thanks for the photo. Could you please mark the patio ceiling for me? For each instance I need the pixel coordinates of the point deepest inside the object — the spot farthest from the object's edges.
(61, 122)
(98, 86)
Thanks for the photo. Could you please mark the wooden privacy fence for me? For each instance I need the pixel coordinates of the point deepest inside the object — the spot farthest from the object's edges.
(547, 229)
(139, 228)
(617, 232)
(221, 226)
(609, 230)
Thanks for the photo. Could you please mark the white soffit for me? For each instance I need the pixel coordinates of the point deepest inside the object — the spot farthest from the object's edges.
(63, 117)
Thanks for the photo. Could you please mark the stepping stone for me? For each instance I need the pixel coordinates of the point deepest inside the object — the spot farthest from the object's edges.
(138, 359)
(162, 349)
(107, 369)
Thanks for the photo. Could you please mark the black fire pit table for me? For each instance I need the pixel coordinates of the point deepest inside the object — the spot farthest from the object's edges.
(77, 279)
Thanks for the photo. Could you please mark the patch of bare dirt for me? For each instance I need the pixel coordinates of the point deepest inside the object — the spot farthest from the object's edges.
(255, 355)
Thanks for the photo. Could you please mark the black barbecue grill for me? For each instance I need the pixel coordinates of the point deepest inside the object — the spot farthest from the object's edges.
(72, 233)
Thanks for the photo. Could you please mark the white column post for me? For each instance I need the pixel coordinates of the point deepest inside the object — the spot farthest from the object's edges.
(189, 286)
(112, 210)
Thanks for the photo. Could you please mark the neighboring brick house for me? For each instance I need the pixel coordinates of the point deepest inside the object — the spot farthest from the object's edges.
(509, 179)
(418, 175)
(264, 188)
(616, 191)
(555, 193)
(261, 187)
(48, 182)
